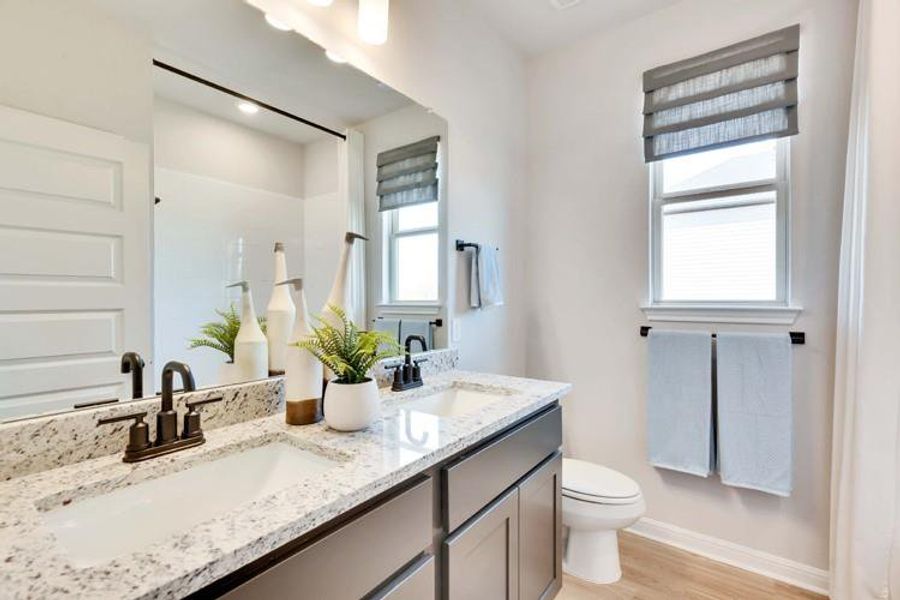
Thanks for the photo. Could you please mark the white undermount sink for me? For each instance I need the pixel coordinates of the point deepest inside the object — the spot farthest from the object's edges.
(454, 401)
(99, 529)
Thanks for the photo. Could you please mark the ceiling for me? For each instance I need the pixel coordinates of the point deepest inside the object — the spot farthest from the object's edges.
(535, 26)
(228, 42)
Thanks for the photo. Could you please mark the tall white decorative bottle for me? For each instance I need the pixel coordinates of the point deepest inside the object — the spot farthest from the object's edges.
(338, 294)
(303, 371)
(251, 354)
(280, 314)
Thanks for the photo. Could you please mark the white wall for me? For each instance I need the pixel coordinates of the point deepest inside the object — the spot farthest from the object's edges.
(397, 128)
(195, 142)
(71, 61)
(447, 58)
(588, 206)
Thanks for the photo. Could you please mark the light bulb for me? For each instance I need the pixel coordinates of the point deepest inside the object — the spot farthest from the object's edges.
(335, 57)
(248, 108)
(373, 21)
(277, 24)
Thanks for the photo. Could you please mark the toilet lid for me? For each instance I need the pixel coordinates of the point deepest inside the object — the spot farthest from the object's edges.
(595, 483)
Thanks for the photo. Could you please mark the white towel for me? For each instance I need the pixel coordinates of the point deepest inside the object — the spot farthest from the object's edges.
(755, 412)
(679, 401)
(486, 285)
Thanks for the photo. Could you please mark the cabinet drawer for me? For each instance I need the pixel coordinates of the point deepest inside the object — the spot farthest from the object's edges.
(471, 483)
(350, 562)
(416, 583)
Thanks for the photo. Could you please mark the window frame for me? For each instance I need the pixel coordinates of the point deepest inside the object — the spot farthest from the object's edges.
(392, 236)
(778, 310)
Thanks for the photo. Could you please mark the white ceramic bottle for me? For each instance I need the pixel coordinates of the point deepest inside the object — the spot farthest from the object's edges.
(338, 294)
(280, 314)
(303, 371)
(251, 354)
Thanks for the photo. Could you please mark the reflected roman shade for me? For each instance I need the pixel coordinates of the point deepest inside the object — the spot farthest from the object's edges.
(741, 93)
(408, 175)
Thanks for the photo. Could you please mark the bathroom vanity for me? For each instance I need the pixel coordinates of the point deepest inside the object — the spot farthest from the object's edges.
(455, 493)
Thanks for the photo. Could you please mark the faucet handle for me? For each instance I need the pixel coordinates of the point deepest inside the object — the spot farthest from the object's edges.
(191, 427)
(138, 433)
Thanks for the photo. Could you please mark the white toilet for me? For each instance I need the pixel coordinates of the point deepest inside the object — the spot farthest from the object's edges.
(597, 502)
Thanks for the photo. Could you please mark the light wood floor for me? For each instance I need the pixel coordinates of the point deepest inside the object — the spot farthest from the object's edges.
(654, 571)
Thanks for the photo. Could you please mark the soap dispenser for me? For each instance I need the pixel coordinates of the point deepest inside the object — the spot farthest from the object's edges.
(280, 315)
(251, 354)
(303, 371)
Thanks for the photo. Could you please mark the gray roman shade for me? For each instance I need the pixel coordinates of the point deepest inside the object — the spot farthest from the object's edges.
(408, 175)
(741, 93)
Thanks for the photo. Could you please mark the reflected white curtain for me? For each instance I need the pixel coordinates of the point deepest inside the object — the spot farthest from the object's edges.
(865, 516)
(352, 182)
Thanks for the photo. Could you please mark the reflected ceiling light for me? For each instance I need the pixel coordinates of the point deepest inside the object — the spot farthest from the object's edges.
(373, 21)
(248, 108)
(274, 22)
(320, 2)
(335, 57)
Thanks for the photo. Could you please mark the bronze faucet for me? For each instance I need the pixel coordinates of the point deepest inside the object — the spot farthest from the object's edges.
(167, 438)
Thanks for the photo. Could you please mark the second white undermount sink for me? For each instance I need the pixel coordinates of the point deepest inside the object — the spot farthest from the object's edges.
(99, 529)
(454, 401)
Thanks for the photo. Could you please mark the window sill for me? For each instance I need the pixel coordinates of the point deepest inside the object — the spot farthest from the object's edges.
(759, 314)
(410, 308)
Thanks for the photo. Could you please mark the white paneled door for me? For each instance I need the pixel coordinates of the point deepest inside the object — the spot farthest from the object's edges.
(75, 262)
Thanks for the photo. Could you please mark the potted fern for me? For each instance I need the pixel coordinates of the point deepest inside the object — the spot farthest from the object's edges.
(351, 398)
(220, 336)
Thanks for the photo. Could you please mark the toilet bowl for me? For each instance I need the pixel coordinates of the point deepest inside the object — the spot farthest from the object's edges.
(596, 503)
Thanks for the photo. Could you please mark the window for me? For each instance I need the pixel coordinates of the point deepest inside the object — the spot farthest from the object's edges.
(719, 227)
(412, 235)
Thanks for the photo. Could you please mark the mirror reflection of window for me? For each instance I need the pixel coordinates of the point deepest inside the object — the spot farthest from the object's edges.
(414, 253)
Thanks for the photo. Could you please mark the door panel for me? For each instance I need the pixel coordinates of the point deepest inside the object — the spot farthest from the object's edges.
(540, 532)
(75, 256)
(482, 557)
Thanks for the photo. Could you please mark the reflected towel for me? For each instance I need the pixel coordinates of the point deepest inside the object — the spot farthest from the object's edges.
(679, 401)
(755, 411)
(416, 327)
(391, 326)
(486, 285)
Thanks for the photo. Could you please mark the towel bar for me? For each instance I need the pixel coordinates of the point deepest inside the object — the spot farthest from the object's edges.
(461, 246)
(797, 337)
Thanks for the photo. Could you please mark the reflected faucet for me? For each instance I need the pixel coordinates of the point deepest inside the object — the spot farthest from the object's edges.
(134, 364)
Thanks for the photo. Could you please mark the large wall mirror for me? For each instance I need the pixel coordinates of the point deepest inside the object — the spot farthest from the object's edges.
(154, 152)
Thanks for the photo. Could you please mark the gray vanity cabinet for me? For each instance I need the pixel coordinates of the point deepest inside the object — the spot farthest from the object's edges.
(482, 558)
(540, 531)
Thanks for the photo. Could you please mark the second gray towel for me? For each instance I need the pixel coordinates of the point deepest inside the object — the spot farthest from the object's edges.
(755, 412)
(679, 401)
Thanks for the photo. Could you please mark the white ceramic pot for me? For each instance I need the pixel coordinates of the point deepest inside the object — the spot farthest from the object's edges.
(229, 373)
(351, 406)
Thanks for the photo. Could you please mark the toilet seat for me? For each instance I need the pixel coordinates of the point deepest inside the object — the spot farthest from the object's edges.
(597, 484)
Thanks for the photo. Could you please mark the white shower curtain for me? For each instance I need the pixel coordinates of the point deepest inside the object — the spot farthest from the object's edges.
(352, 190)
(865, 541)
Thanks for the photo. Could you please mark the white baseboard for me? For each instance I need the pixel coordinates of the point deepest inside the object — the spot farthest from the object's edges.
(742, 557)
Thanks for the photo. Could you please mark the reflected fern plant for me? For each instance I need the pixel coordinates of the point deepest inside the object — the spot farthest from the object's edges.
(349, 352)
(220, 335)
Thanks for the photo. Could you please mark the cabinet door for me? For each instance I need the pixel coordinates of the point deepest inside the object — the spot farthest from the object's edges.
(482, 557)
(540, 531)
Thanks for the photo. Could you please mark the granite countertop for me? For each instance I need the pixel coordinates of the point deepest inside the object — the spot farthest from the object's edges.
(402, 444)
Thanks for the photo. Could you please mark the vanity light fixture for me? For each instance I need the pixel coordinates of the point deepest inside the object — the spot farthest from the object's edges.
(335, 57)
(248, 108)
(372, 24)
(277, 23)
(320, 2)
